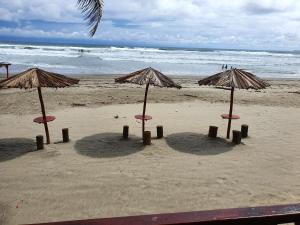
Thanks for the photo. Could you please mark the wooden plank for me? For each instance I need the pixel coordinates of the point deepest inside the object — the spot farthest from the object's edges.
(254, 215)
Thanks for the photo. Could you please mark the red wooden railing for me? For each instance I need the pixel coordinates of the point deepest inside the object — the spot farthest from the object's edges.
(264, 215)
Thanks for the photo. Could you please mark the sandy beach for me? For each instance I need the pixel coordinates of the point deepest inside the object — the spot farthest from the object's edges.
(98, 174)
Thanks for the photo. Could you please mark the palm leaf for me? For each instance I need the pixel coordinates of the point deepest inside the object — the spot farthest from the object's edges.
(92, 11)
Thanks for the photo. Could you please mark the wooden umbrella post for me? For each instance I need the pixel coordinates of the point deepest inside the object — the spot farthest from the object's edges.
(230, 112)
(6, 71)
(144, 109)
(44, 115)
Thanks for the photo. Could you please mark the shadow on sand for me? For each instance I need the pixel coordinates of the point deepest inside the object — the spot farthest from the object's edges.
(11, 148)
(198, 144)
(108, 145)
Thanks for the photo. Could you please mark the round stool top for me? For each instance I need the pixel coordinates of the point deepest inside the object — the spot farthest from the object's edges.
(140, 117)
(41, 119)
(234, 117)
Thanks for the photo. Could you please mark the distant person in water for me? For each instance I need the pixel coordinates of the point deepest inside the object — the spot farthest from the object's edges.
(223, 67)
(226, 67)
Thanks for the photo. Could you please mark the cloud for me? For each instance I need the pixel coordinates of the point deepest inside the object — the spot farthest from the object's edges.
(271, 24)
(254, 8)
(267, 7)
(124, 23)
(52, 10)
(32, 32)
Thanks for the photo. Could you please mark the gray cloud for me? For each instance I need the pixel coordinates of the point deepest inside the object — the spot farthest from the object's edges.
(258, 9)
(194, 23)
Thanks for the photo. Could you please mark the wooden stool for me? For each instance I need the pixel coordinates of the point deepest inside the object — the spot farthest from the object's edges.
(213, 131)
(65, 135)
(39, 142)
(125, 131)
(236, 137)
(160, 131)
(244, 130)
(147, 138)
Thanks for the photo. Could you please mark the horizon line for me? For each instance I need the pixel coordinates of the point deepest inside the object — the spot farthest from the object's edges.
(130, 45)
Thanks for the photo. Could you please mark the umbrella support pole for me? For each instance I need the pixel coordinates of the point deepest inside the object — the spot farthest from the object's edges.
(6, 71)
(144, 109)
(44, 115)
(230, 112)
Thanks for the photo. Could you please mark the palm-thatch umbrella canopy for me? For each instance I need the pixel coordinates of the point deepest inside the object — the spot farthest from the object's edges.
(37, 78)
(148, 76)
(234, 78)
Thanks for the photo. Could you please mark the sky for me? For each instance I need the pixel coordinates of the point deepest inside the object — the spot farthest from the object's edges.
(237, 24)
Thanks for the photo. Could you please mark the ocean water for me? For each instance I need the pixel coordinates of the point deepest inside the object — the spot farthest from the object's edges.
(75, 60)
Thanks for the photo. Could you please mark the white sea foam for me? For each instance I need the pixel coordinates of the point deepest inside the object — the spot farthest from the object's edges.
(83, 59)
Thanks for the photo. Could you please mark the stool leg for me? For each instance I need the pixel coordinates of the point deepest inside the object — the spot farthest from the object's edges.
(65, 134)
(244, 130)
(160, 132)
(39, 142)
(125, 131)
(213, 131)
(147, 138)
(236, 136)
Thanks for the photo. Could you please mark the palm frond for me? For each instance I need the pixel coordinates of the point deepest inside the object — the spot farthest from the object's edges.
(92, 11)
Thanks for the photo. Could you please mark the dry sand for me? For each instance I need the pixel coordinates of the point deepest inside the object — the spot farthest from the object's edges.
(99, 175)
(95, 92)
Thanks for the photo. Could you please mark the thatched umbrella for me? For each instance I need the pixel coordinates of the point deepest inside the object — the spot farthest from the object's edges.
(37, 78)
(148, 76)
(234, 78)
